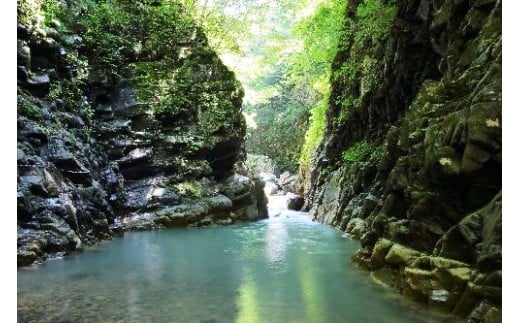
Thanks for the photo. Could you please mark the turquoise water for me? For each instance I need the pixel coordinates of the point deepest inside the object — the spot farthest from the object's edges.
(284, 269)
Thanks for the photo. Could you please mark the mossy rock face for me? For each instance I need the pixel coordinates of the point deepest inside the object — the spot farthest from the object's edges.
(356, 227)
(417, 284)
(453, 279)
(485, 312)
(434, 106)
(387, 276)
(135, 124)
(379, 252)
(401, 255)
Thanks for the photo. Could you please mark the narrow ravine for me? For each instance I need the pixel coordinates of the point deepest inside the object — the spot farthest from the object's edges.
(282, 269)
(150, 133)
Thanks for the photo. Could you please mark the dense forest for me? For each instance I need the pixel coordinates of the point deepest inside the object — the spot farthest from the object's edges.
(380, 118)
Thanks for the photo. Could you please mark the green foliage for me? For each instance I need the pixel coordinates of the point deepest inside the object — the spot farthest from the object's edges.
(347, 71)
(222, 28)
(317, 123)
(356, 72)
(26, 10)
(116, 32)
(362, 151)
(26, 107)
(160, 86)
(378, 153)
(190, 189)
(374, 19)
(314, 133)
(280, 127)
(320, 33)
(281, 52)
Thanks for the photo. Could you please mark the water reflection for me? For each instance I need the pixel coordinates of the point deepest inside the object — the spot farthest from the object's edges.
(276, 241)
(132, 308)
(247, 302)
(284, 269)
(152, 261)
(311, 289)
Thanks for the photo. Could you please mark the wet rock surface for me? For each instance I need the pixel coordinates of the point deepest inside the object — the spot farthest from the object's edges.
(97, 157)
(431, 183)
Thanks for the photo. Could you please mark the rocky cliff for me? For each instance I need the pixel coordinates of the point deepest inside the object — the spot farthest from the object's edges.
(126, 120)
(411, 160)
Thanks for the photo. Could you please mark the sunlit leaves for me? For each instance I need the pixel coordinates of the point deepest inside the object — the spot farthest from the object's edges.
(284, 55)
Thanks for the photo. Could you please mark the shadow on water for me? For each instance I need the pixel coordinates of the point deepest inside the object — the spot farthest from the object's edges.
(81, 276)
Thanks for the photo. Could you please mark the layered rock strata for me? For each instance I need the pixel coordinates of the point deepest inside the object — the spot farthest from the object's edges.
(100, 149)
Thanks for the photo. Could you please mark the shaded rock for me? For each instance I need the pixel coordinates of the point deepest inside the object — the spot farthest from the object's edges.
(226, 221)
(386, 276)
(258, 192)
(431, 262)
(236, 187)
(381, 248)
(399, 230)
(71, 39)
(79, 176)
(219, 203)
(442, 300)
(34, 182)
(460, 242)
(485, 313)
(473, 294)
(288, 182)
(181, 215)
(356, 227)
(141, 221)
(26, 257)
(98, 155)
(20, 155)
(23, 55)
(295, 202)
(38, 85)
(417, 284)
(35, 131)
(131, 109)
(436, 163)
(115, 127)
(491, 279)
(453, 279)
(138, 196)
(61, 156)
(50, 184)
(71, 120)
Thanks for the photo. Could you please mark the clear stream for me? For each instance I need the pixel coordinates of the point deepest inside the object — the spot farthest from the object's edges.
(282, 269)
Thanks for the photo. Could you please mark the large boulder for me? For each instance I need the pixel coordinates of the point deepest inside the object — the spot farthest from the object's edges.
(295, 202)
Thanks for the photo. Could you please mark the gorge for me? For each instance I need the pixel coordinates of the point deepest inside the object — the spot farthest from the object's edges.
(129, 119)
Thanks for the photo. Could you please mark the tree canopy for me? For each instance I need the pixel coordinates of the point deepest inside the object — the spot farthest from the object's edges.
(282, 52)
